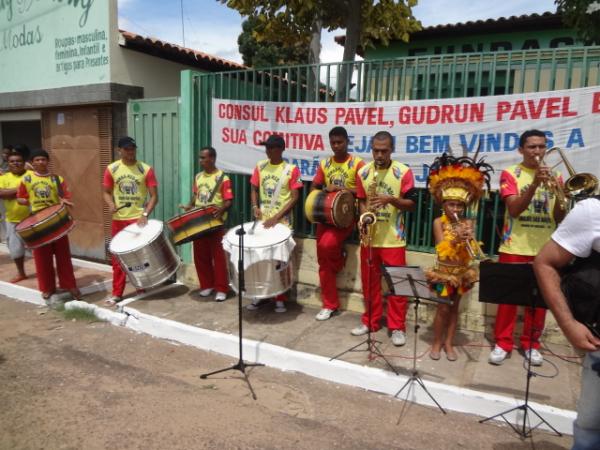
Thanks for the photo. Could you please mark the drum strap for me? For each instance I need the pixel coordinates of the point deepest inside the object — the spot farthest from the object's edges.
(216, 188)
(284, 174)
(58, 186)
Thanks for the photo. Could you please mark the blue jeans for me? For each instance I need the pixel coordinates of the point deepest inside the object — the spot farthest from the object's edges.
(586, 430)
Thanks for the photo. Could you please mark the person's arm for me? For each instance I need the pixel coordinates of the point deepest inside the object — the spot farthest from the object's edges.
(107, 191)
(401, 202)
(107, 195)
(153, 191)
(438, 231)
(255, 202)
(22, 195)
(284, 211)
(547, 263)
(318, 180)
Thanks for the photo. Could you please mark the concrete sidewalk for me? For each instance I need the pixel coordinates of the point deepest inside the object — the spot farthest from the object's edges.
(556, 386)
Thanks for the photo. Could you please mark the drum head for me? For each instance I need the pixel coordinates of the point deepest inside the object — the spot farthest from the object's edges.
(343, 209)
(260, 237)
(134, 237)
(39, 216)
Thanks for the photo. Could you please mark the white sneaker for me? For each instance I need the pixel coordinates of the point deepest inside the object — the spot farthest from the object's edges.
(254, 305)
(324, 314)
(398, 338)
(536, 357)
(220, 297)
(280, 307)
(359, 330)
(497, 356)
(205, 292)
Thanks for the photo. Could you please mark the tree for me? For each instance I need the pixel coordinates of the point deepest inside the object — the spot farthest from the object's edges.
(583, 16)
(268, 54)
(365, 22)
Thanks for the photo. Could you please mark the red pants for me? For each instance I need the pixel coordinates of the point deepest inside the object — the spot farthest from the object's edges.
(119, 277)
(44, 266)
(507, 315)
(210, 262)
(329, 254)
(370, 271)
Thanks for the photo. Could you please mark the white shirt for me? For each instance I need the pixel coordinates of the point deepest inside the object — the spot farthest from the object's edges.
(579, 233)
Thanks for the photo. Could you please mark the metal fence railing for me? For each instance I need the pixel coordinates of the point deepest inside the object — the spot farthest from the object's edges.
(428, 77)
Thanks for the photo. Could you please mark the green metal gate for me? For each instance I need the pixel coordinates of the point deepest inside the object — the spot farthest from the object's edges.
(430, 77)
(154, 124)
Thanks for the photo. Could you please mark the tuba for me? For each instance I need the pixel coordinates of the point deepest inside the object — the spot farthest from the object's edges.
(579, 185)
(367, 220)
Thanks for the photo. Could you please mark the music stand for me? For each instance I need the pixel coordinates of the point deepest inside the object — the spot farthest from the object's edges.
(410, 281)
(241, 364)
(372, 345)
(514, 284)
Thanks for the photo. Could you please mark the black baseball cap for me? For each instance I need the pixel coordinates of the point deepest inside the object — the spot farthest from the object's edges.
(127, 141)
(274, 141)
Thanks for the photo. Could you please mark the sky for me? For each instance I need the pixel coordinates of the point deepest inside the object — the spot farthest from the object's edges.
(212, 27)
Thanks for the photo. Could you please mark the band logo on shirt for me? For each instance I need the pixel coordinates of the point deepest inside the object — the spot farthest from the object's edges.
(41, 191)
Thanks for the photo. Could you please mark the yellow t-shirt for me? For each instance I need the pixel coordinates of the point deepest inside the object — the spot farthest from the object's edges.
(42, 190)
(204, 185)
(14, 212)
(266, 177)
(395, 180)
(129, 185)
(338, 174)
(526, 234)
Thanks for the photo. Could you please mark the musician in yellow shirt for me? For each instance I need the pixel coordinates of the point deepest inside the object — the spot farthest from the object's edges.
(274, 192)
(335, 173)
(531, 215)
(394, 193)
(212, 187)
(14, 212)
(127, 183)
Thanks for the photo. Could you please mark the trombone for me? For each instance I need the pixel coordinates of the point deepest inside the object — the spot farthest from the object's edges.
(579, 185)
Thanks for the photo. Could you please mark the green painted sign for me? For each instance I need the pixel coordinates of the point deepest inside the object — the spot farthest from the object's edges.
(53, 43)
(477, 43)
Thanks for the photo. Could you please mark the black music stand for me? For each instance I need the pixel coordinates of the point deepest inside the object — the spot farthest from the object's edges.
(241, 364)
(371, 345)
(410, 281)
(514, 284)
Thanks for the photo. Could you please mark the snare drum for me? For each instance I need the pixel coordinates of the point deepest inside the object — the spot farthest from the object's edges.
(191, 225)
(333, 208)
(145, 254)
(268, 268)
(45, 226)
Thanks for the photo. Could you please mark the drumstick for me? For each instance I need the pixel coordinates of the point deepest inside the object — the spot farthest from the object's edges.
(251, 230)
(125, 205)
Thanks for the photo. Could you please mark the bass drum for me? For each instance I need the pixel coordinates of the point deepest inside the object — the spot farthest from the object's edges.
(333, 208)
(193, 224)
(268, 267)
(145, 254)
(45, 226)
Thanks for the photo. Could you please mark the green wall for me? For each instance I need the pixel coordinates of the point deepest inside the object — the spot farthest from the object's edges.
(524, 40)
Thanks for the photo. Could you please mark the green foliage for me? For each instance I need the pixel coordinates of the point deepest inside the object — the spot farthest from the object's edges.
(289, 22)
(583, 16)
(268, 54)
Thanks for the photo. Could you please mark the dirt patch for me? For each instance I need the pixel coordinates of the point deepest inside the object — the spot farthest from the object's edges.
(80, 385)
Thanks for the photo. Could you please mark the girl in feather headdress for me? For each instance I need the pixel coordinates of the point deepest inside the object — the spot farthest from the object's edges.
(455, 183)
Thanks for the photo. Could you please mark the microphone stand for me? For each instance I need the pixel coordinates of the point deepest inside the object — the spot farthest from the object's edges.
(241, 365)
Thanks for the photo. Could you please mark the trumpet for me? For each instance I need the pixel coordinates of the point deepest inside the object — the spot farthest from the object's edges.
(472, 246)
(579, 185)
(553, 185)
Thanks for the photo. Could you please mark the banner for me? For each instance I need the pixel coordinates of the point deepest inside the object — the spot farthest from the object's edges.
(422, 129)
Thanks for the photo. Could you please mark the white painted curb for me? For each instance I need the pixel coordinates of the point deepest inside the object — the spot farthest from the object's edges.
(114, 317)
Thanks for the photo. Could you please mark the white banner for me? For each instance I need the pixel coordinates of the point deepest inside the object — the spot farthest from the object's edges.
(422, 129)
